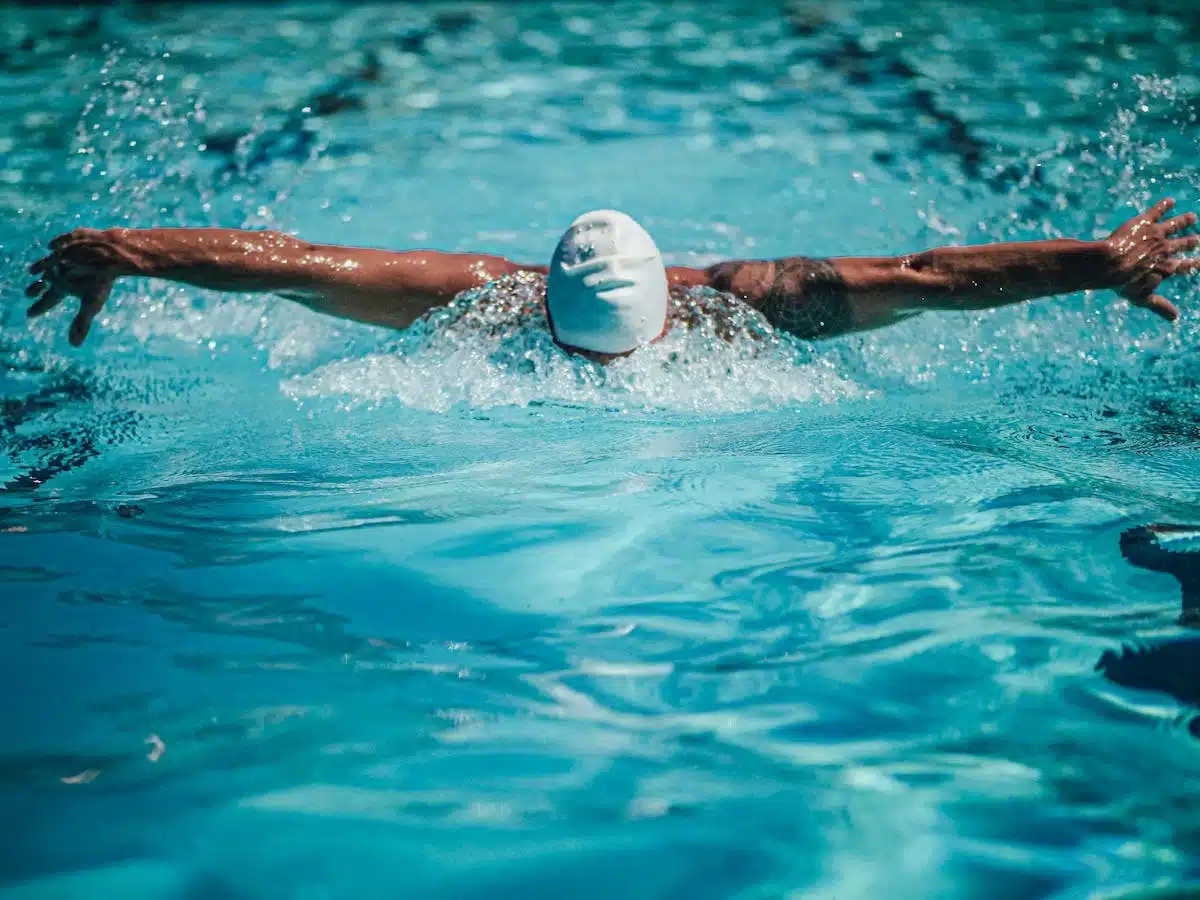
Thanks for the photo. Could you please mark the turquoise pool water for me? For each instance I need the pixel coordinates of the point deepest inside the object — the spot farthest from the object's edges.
(293, 608)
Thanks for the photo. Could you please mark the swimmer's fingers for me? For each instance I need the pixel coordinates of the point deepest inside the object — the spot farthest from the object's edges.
(72, 237)
(83, 251)
(1156, 303)
(1160, 306)
(1183, 244)
(1187, 266)
(35, 290)
(1179, 223)
(1142, 293)
(48, 301)
(93, 300)
(56, 268)
(1160, 209)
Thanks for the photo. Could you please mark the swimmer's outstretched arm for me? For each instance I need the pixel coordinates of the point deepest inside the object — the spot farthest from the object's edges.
(815, 298)
(378, 287)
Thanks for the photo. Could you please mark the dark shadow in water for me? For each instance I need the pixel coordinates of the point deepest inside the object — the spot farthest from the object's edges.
(864, 66)
(28, 430)
(292, 138)
(56, 450)
(844, 49)
(1170, 667)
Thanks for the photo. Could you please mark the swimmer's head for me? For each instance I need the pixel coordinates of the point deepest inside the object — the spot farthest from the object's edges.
(607, 288)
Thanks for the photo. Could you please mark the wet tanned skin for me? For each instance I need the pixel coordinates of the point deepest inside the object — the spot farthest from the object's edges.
(810, 298)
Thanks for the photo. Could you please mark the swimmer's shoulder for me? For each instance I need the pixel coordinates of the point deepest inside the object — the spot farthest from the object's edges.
(728, 315)
(522, 288)
(497, 304)
(687, 302)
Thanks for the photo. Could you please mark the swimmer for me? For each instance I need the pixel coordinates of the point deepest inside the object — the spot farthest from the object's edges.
(606, 291)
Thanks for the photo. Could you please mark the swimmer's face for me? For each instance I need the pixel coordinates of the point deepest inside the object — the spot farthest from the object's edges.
(595, 356)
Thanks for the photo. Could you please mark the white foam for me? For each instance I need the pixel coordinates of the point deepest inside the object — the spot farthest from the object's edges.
(492, 348)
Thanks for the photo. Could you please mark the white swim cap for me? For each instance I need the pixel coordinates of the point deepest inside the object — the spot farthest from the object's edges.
(607, 290)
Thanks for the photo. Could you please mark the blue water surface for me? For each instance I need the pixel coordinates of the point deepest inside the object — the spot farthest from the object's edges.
(295, 608)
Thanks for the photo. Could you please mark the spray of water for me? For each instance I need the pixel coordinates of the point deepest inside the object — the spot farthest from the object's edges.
(492, 347)
(1092, 344)
(139, 146)
(135, 146)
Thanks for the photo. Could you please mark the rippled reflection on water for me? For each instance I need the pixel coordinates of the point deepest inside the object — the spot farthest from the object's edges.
(295, 608)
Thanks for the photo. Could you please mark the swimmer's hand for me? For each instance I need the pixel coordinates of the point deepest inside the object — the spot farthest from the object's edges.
(84, 263)
(1145, 252)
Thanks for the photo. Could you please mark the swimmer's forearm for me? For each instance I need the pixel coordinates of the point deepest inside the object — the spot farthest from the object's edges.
(815, 298)
(218, 259)
(975, 278)
(378, 287)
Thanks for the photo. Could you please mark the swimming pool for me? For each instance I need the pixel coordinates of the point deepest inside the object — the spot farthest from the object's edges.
(295, 608)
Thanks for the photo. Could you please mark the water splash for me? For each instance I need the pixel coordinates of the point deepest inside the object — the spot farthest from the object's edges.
(1091, 343)
(134, 146)
(142, 146)
(491, 347)
(1140, 168)
(139, 140)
